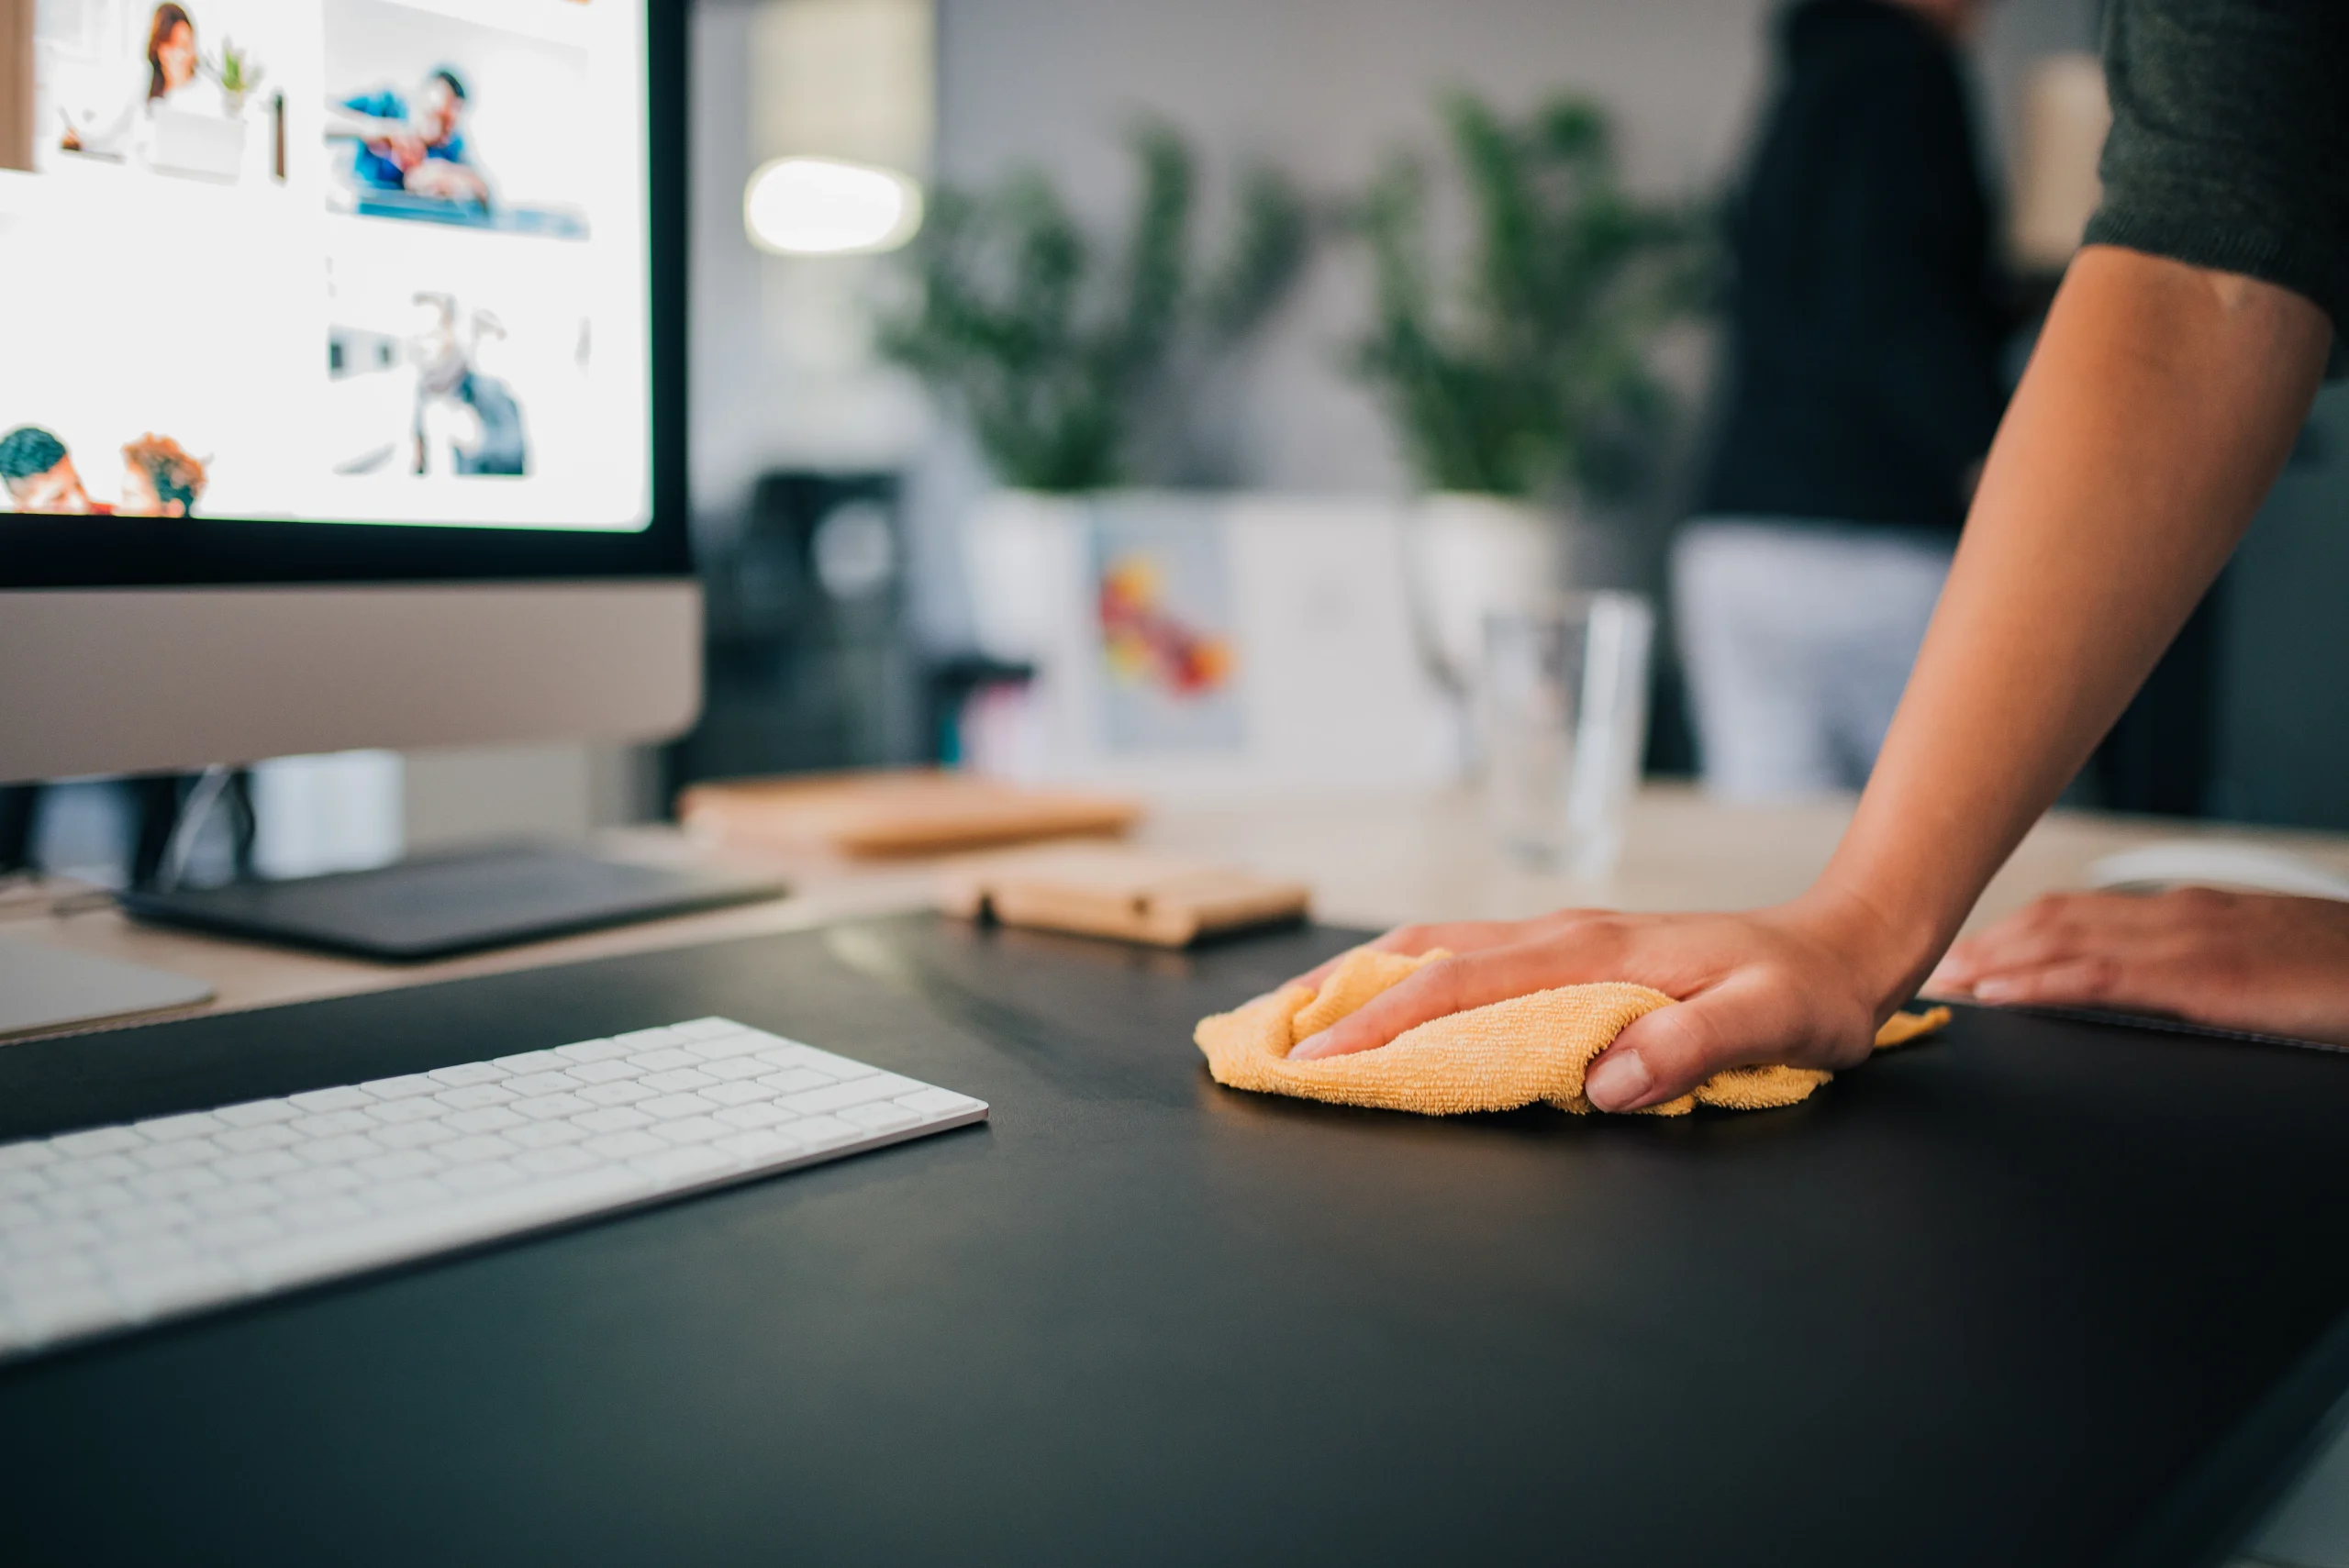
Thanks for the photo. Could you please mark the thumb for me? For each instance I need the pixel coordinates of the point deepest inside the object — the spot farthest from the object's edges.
(1664, 1055)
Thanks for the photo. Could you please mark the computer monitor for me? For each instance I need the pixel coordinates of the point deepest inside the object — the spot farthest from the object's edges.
(342, 378)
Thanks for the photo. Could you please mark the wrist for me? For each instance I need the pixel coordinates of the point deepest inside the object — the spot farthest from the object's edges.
(1880, 942)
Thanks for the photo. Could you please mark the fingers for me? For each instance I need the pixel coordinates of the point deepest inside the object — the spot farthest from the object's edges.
(2074, 982)
(1459, 935)
(1469, 980)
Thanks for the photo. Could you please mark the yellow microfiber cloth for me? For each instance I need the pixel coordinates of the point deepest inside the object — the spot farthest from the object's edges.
(1493, 1057)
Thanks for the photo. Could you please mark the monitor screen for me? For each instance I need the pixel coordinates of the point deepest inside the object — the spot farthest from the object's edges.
(332, 262)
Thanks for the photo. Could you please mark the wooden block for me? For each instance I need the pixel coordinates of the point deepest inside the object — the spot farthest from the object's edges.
(1110, 891)
(895, 812)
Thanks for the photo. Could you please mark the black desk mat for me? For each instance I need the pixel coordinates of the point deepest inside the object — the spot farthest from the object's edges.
(2034, 1292)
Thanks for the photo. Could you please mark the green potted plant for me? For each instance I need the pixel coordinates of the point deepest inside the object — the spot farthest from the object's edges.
(238, 74)
(1076, 359)
(1520, 387)
(1055, 347)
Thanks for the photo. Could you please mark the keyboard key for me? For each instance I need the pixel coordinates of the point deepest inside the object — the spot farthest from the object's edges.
(676, 1080)
(343, 1097)
(197, 1150)
(530, 1083)
(735, 1068)
(736, 1093)
(591, 1051)
(826, 1131)
(487, 1176)
(25, 1156)
(646, 1039)
(249, 1167)
(473, 1096)
(555, 1161)
(326, 1212)
(161, 1184)
(606, 1071)
(322, 1181)
(668, 1107)
(252, 1139)
(704, 1029)
(97, 1140)
(416, 1191)
(253, 1113)
(231, 1231)
(612, 1119)
(140, 1218)
(233, 1197)
(58, 1236)
(489, 1118)
(164, 1129)
(404, 1087)
(89, 1169)
(330, 1124)
(728, 1048)
(546, 1134)
(418, 1107)
(143, 1252)
(796, 1081)
(626, 1145)
(397, 1166)
(939, 1102)
(71, 1203)
(338, 1150)
(23, 1182)
(672, 1166)
(532, 1061)
(881, 1115)
(413, 1135)
(666, 1059)
(691, 1129)
(621, 1094)
(550, 1107)
(764, 1113)
(467, 1073)
(855, 1092)
(763, 1146)
(839, 1067)
(482, 1146)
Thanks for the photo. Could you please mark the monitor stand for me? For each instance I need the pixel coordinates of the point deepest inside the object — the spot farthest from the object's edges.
(433, 906)
(44, 989)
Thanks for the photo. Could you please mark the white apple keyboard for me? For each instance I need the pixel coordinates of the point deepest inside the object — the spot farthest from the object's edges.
(116, 1227)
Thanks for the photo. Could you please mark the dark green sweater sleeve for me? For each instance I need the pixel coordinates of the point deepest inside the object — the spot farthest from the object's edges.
(2230, 142)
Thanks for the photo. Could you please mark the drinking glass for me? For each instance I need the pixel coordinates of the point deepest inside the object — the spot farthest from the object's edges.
(1563, 714)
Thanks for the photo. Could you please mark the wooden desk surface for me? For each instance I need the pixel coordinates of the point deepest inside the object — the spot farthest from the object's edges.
(1372, 862)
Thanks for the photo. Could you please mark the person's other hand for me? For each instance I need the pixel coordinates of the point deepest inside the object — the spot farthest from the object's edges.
(2240, 961)
(1802, 983)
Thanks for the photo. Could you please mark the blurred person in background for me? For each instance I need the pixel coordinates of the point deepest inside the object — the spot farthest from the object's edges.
(1866, 332)
(160, 479)
(38, 474)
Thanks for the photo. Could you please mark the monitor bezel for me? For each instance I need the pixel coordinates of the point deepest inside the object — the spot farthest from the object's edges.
(40, 552)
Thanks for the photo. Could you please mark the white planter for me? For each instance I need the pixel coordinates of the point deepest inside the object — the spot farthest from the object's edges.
(1327, 692)
(1472, 555)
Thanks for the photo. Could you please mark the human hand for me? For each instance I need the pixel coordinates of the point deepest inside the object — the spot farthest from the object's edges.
(2254, 962)
(1804, 982)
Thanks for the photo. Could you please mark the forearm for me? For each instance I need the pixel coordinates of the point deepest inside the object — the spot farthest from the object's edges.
(2155, 415)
